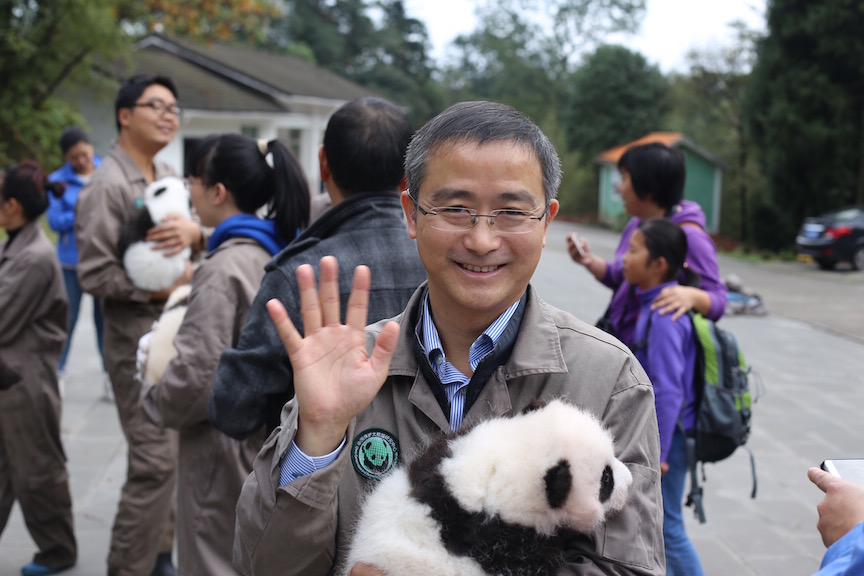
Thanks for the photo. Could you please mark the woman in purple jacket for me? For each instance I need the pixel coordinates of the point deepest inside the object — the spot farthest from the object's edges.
(666, 349)
(652, 185)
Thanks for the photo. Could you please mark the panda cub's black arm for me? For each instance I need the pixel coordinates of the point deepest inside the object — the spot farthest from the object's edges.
(135, 230)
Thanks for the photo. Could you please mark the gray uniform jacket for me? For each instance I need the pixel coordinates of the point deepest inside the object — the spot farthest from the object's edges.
(33, 317)
(212, 467)
(302, 527)
(33, 305)
(105, 204)
(254, 380)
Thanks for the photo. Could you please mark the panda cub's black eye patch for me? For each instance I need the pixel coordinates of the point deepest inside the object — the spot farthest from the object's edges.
(559, 480)
(160, 191)
(607, 484)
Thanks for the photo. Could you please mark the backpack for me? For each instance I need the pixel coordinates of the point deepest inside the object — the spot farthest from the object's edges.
(721, 381)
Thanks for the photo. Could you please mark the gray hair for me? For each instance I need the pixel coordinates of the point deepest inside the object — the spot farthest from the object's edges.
(481, 122)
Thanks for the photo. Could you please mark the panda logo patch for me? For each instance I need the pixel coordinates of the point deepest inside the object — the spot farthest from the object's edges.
(374, 453)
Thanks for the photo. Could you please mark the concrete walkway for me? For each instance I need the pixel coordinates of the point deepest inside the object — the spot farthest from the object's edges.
(809, 351)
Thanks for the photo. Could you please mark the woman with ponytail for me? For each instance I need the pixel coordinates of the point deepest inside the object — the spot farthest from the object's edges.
(655, 257)
(33, 318)
(232, 180)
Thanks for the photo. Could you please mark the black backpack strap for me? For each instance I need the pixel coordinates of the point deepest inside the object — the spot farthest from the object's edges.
(694, 498)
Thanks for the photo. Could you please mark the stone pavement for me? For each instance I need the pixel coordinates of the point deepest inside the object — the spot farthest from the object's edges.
(809, 351)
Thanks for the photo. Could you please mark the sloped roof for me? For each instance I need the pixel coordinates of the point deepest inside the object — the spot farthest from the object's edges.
(200, 89)
(671, 139)
(275, 76)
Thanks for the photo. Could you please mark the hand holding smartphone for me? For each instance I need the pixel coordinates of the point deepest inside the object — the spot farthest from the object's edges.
(577, 243)
(851, 469)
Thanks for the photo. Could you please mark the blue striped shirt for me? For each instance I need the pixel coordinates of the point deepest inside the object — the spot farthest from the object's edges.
(455, 382)
(296, 463)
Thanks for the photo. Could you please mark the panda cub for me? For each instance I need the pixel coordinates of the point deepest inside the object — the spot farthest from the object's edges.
(500, 498)
(156, 348)
(150, 269)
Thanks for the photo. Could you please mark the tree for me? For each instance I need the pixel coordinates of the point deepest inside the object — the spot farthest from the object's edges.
(806, 107)
(44, 45)
(388, 56)
(398, 65)
(708, 105)
(616, 96)
(229, 21)
(506, 59)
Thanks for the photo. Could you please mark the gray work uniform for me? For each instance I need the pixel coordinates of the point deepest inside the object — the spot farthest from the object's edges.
(144, 525)
(33, 317)
(303, 527)
(212, 466)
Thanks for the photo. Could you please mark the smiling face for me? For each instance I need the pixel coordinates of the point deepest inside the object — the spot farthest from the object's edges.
(476, 274)
(148, 128)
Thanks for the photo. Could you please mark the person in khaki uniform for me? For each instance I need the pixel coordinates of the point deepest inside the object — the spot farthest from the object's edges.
(230, 178)
(147, 117)
(475, 342)
(33, 317)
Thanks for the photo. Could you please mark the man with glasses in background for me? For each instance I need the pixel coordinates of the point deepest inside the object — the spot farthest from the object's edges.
(474, 342)
(147, 116)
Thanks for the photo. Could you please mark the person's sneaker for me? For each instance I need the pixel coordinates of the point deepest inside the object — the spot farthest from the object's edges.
(36, 569)
(163, 566)
(107, 391)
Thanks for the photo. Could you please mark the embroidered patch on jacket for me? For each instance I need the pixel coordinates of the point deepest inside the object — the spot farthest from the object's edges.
(374, 453)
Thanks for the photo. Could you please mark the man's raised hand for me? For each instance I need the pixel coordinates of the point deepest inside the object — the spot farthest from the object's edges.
(334, 377)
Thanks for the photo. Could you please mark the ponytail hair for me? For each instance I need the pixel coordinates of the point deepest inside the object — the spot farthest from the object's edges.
(665, 239)
(27, 184)
(256, 174)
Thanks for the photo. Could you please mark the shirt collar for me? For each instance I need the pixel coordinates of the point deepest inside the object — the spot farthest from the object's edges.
(479, 349)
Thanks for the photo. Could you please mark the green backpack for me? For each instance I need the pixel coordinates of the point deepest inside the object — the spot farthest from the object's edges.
(721, 381)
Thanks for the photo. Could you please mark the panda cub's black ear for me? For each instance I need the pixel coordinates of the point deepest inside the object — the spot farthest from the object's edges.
(535, 404)
(559, 481)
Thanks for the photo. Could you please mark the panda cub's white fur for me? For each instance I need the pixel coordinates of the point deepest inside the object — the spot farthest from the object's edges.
(156, 348)
(150, 269)
(494, 500)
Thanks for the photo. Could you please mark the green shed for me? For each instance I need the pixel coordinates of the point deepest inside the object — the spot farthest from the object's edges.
(703, 185)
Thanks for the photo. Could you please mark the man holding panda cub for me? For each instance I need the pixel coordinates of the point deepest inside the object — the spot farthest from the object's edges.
(475, 342)
(147, 116)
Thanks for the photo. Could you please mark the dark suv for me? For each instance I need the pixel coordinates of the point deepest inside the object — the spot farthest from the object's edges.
(837, 236)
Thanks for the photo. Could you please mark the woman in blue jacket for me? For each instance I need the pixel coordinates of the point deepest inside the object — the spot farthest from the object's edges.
(80, 163)
(666, 349)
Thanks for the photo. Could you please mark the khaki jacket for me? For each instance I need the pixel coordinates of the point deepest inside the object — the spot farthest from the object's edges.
(302, 527)
(104, 205)
(212, 466)
(33, 306)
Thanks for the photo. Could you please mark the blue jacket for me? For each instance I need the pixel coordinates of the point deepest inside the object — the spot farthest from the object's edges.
(667, 351)
(61, 212)
(255, 380)
(846, 556)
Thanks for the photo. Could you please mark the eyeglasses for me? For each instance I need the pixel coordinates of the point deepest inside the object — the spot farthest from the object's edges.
(459, 219)
(160, 107)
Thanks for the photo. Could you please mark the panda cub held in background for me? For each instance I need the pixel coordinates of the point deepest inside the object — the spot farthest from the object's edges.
(500, 498)
(150, 269)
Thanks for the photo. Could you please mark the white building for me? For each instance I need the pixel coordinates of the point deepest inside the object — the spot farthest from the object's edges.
(224, 88)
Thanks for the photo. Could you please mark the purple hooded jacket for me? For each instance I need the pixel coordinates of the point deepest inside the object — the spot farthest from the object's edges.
(667, 352)
(701, 258)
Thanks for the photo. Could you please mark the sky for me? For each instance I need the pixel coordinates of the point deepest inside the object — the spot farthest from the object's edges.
(669, 30)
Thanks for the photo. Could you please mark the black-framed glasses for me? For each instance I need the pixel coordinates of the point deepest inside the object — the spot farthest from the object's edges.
(160, 107)
(460, 219)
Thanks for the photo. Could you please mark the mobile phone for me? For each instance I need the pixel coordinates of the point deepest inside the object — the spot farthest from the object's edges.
(851, 469)
(575, 238)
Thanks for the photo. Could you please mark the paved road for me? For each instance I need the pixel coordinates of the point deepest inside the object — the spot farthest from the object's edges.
(809, 351)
